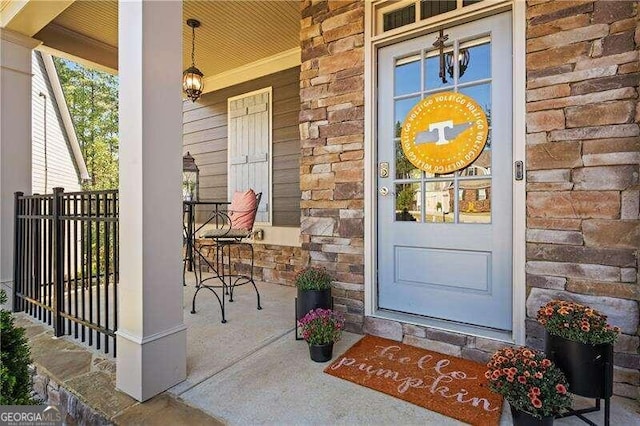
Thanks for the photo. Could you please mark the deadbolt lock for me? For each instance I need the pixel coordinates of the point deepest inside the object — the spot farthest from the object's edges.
(384, 169)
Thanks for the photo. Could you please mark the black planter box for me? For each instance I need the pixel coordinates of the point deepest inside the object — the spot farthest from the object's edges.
(311, 299)
(588, 368)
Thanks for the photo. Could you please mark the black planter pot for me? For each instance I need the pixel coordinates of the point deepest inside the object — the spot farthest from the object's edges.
(321, 353)
(588, 368)
(521, 418)
(312, 299)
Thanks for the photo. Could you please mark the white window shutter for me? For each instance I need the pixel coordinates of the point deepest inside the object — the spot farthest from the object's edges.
(249, 155)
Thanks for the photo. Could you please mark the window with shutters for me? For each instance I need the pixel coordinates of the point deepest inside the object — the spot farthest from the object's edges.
(250, 147)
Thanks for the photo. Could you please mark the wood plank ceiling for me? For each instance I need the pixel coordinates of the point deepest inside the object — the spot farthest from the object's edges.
(4, 4)
(233, 33)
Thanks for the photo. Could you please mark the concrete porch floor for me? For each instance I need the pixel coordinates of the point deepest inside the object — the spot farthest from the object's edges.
(248, 371)
(251, 370)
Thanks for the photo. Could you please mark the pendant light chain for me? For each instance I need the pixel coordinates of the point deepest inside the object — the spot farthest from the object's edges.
(193, 45)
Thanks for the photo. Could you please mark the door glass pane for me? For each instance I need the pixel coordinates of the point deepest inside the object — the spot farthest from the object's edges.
(402, 108)
(429, 8)
(482, 165)
(432, 80)
(399, 17)
(408, 202)
(474, 201)
(404, 169)
(407, 76)
(482, 95)
(479, 65)
(438, 201)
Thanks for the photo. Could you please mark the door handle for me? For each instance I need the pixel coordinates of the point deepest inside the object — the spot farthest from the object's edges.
(384, 190)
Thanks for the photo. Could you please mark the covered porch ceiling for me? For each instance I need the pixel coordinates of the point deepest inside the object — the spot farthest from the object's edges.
(233, 33)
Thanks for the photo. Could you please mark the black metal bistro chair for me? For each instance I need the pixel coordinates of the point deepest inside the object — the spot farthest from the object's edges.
(190, 229)
(234, 229)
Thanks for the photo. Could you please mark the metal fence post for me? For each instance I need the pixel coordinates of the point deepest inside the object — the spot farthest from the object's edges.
(58, 262)
(17, 235)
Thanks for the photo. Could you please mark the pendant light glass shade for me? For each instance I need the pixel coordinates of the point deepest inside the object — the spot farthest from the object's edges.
(192, 83)
(192, 77)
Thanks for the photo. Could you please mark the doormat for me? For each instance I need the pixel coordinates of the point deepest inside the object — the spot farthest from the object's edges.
(446, 384)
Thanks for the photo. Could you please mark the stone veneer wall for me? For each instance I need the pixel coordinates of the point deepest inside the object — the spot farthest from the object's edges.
(583, 231)
(332, 136)
(582, 142)
(272, 263)
(72, 409)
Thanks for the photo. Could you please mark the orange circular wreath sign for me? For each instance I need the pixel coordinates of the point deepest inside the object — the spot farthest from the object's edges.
(444, 132)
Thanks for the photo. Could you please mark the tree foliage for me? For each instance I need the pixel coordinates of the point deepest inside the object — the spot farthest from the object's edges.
(15, 358)
(92, 98)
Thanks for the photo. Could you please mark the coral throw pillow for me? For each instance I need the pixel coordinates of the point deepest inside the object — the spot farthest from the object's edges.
(242, 210)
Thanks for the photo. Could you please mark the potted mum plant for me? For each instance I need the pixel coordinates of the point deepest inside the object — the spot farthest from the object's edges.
(321, 328)
(579, 340)
(534, 387)
(314, 290)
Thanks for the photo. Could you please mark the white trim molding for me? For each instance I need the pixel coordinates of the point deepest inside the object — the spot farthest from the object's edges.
(143, 340)
(52, 73)
(61, 41)
(19, 39)
(272, 64)
(519, 187)
(278, 235)
(13, 44)
(288, 236)
(370, 216)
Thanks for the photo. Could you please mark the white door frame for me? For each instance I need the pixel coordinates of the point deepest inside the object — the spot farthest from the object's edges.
(372, 43)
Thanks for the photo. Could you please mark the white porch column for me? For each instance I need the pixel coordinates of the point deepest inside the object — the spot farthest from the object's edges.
(15, 139)
(152, 336)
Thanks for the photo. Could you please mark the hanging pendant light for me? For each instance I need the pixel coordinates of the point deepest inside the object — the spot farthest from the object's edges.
(192, 82)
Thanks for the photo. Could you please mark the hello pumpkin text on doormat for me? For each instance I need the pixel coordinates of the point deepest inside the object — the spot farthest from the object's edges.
(446, 384)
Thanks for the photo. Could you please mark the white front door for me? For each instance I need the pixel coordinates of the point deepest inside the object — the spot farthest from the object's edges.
(444, 240)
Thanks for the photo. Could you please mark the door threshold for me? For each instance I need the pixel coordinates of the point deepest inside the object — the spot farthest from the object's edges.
(444, 325)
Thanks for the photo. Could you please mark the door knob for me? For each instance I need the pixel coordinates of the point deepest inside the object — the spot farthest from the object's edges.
(384, 190)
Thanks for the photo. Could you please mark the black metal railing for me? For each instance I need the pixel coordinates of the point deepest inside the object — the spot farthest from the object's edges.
(66, 263)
